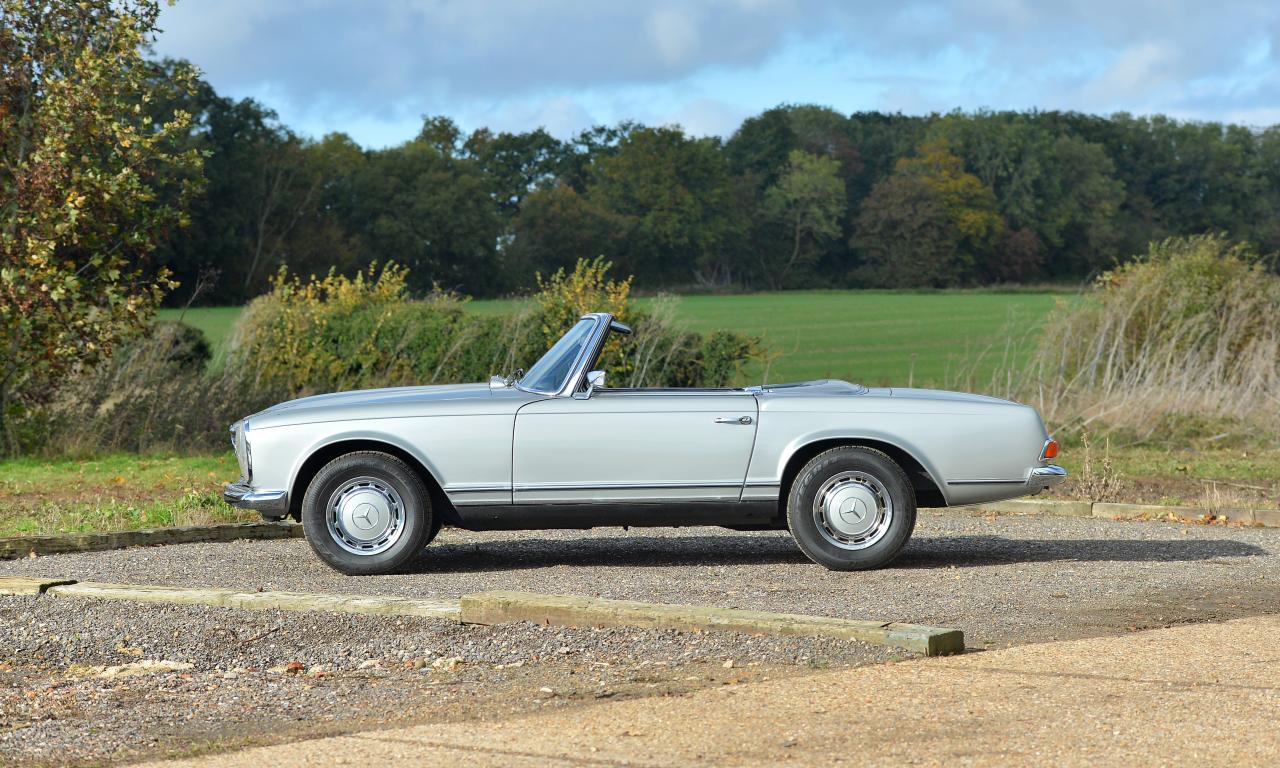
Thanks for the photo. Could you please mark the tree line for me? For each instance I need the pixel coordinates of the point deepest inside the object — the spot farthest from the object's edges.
(799, 196)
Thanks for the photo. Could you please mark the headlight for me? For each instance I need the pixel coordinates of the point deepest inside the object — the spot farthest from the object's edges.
(248, 456)
(240, 442)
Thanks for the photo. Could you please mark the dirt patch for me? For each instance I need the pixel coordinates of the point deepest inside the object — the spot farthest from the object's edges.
(50, 717)
(1220, 599)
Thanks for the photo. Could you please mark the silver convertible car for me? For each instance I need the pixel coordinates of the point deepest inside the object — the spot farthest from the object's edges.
(373, 475)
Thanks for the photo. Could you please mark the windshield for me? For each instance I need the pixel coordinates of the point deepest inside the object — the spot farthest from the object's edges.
(549, 373)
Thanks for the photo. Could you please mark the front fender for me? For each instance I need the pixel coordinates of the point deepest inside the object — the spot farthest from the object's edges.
(367, 439)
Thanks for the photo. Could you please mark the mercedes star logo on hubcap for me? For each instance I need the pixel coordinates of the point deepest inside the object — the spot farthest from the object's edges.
(364, 516)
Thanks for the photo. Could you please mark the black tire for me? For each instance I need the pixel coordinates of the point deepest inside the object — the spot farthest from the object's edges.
(417, 527)
(890, 537)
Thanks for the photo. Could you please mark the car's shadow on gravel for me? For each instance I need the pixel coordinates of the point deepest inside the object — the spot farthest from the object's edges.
(923, 552)
(629, 551)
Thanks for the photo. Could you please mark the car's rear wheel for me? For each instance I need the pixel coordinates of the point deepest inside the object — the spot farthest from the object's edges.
(851, 508)
(366, 513)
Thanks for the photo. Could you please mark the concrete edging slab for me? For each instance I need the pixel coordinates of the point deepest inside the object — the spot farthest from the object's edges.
(507, 607)
(23, 546)
(260, 601)
(569, 610)
(1111, 511)
(1104, 510)
(1048, 507)
(27, 585)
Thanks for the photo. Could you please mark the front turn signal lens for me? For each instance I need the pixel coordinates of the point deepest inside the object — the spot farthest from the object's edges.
(1050, 449)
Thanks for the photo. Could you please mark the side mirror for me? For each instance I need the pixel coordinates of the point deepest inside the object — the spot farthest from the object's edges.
(497, 382)
(595, 380)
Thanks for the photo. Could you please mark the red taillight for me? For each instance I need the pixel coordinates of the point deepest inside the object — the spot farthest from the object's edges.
(1050, 449)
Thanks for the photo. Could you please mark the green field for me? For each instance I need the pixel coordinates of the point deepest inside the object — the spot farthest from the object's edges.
(216, 323)
(873, 337)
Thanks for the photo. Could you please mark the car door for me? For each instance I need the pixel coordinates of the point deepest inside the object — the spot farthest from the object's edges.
(634, 446)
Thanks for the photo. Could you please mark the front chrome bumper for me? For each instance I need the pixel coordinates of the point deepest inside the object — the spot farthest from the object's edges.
(269, 503)
(1045, 477)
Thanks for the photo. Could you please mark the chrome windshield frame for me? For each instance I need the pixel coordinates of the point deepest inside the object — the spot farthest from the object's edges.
(585, 356)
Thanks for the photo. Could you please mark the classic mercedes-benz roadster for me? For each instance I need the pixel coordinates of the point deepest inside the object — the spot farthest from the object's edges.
(374, 474)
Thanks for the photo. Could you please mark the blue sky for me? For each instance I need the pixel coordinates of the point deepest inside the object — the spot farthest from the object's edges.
(373, 68)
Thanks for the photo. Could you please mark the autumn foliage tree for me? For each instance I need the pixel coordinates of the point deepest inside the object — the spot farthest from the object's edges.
(88, 184)
(929, 223)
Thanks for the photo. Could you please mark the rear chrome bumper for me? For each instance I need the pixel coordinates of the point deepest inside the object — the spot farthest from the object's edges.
(1045, 477)
(270, 503)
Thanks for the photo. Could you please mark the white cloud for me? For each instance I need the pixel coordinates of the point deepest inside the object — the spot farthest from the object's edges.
(333, 64)
(707, 117)
(561, 116)
(1134, 75)
(674, 33)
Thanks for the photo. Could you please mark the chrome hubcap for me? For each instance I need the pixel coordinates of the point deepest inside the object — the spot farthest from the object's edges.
(852, 510)
(366, 516)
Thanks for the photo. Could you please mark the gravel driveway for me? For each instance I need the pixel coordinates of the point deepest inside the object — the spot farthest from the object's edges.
(1003, 580)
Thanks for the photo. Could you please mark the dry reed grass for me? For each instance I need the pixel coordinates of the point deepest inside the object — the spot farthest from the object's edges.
(1191, 328)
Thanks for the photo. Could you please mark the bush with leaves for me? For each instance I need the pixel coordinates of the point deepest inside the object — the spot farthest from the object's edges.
(337, 333)
(90, 184)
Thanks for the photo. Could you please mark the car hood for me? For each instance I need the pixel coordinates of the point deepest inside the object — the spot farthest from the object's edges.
(362, 401)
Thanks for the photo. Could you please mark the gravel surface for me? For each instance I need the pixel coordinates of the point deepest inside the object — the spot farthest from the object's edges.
(1003, 580)
(263, 677)
(258, 677)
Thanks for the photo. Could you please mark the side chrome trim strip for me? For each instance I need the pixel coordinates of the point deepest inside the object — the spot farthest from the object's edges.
(987, 482)
(473, 494)
(622, 486)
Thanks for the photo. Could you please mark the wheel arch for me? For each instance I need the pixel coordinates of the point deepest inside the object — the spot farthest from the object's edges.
(326, 453)
(928, 492)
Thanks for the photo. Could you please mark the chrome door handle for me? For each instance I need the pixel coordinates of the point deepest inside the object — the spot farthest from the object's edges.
(744, 420)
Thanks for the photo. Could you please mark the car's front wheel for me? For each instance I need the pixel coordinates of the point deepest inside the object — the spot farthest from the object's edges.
(367, 513)
(851, 508)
